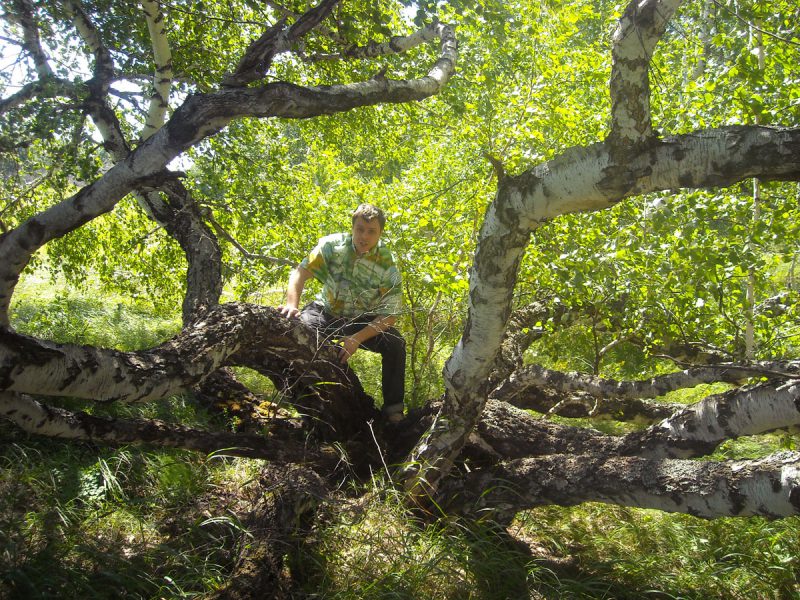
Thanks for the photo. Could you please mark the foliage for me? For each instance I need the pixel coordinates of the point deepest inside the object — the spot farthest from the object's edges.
(649, 553)
(532, 81)
(108, 524)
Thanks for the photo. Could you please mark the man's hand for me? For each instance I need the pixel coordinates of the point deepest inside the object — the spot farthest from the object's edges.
(349, 347)
(291, 312)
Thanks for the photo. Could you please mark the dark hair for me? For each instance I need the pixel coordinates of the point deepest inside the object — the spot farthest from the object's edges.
(369, 212)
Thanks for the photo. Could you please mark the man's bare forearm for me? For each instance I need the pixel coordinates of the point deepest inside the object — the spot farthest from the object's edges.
(294, 291)
(378, 325)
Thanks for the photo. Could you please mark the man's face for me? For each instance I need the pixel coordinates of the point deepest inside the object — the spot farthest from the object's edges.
(366, 234)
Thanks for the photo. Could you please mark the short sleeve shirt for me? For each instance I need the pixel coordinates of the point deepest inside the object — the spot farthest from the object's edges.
(353, 285)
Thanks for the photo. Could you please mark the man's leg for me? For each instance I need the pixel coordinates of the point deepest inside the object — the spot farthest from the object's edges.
(314, 315)
(392, 348)
(389, 344)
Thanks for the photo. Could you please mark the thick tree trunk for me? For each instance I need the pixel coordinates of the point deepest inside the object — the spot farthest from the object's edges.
(578, 180)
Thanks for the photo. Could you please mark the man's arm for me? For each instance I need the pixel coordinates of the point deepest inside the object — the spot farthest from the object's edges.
(297, 281)
(352, 342)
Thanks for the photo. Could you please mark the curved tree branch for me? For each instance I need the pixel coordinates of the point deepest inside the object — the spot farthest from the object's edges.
(257, 337)
(538, 376)
(277, 39)
(201, 116)
(575, 181)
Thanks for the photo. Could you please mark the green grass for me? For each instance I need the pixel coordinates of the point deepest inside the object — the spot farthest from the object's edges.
(673, 556)
(80, 521)
(77, 520)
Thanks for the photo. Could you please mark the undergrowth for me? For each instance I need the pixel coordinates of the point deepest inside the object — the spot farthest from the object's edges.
(78, 520)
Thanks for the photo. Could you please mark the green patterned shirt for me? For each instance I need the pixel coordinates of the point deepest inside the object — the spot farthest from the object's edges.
(353, 285)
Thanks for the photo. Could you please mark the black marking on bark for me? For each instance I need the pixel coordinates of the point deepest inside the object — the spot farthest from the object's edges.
(686, 180)
(794, 497)
(33, 240)
(737, 500)
(6, 381)
(678, 153)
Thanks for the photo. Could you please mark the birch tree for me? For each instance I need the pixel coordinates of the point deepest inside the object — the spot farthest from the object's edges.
(538, 461)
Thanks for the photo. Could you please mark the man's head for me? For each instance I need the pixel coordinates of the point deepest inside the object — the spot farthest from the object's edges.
(368, 223)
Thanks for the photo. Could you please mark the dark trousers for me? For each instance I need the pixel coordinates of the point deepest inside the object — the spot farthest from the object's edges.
(389, 344)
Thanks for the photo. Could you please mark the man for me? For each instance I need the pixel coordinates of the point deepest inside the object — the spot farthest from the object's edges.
(360, 300)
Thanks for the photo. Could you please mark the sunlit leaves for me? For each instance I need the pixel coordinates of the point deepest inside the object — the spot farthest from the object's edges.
(532, 80)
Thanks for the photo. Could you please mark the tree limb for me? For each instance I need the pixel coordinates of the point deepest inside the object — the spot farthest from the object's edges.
(257, 337)
(769, 487)
(200, 116)
(538, 376)
(37, 418)
(638, 31)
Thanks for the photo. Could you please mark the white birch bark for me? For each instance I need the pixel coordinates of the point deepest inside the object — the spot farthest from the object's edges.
(162, 78)
(633, 44)
(576, 181)
(734, 414)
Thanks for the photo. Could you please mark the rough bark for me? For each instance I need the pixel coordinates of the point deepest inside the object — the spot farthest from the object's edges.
(505, 432)
(634, 40)
(700, 428)
(577, 405)
(278, 444)
(769, 487)
(535, 375)
(579, 395)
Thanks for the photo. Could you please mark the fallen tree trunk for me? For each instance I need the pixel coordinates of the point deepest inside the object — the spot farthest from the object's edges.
(258, 337)
(769, 487)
